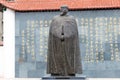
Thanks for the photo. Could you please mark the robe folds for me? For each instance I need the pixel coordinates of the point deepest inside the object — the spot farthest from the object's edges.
(63, 47)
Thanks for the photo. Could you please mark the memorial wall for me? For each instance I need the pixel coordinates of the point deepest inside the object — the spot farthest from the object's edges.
(99, 33)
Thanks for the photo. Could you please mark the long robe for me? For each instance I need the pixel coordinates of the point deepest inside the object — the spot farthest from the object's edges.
(63, 47)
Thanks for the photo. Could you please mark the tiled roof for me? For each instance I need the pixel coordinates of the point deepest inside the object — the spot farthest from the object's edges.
(31, 5)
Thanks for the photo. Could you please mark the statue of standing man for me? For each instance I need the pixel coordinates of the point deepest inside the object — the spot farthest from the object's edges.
(63, 46)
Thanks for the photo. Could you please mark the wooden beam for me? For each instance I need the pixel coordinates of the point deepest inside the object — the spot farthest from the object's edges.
(1, 7)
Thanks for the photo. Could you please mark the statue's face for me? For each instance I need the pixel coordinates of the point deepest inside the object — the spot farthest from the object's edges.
(64, 9)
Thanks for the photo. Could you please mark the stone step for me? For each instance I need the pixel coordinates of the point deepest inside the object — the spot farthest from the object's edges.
(64, 78)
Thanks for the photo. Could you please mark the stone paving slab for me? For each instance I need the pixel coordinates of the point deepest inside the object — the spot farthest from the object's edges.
(40, 79)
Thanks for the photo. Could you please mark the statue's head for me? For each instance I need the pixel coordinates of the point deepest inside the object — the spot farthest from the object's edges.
(64, 10)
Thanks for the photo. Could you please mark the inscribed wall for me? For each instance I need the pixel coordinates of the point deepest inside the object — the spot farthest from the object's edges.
(99, 32)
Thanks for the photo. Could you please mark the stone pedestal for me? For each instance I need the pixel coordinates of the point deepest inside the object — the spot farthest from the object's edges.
(64, 78)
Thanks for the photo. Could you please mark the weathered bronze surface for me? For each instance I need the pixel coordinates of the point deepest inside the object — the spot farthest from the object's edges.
(63, 46)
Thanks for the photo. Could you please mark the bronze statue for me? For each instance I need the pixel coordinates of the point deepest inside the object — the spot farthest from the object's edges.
(63, 46)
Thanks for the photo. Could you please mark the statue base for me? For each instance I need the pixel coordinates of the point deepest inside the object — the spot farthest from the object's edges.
(64, 78)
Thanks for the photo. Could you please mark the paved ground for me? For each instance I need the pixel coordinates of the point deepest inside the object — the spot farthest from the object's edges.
(40, 79)
(20, 79)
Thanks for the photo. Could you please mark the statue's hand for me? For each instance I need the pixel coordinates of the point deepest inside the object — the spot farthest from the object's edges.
(62, 38)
